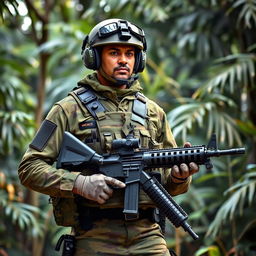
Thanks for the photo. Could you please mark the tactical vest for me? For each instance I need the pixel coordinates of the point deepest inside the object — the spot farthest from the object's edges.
(112, 124)
(99, 132)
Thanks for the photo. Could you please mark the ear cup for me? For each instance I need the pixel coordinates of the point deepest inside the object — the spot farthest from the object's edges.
(91, 58)
(140, 61)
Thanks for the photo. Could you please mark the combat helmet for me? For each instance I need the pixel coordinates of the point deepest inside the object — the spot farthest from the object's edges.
(114, 31)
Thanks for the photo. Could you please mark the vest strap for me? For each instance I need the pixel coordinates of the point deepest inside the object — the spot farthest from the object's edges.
(91, 102)
(139, 109)
(97, 110)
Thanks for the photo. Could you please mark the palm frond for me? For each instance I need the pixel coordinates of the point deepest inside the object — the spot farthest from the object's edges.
(6, 6)
(247, 15)
(13, 132)
(235, 69)
(207, 115)
(242, 196)
(23, 215)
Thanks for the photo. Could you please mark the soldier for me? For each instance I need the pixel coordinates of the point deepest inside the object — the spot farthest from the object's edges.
(107, 104)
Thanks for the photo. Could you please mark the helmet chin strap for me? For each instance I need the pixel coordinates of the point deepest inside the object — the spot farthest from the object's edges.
(117, 81)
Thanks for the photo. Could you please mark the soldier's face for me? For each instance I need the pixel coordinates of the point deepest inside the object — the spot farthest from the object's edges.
(118, 60)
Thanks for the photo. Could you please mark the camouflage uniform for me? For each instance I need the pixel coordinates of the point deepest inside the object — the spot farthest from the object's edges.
(36, 170)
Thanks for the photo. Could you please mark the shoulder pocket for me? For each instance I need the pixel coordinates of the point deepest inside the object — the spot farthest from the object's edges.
(43, 135)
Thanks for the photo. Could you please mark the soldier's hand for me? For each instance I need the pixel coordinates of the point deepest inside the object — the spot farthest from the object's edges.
(179, 174)
(95, 187)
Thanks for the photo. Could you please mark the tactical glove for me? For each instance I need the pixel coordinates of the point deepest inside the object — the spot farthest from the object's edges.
(95, 187)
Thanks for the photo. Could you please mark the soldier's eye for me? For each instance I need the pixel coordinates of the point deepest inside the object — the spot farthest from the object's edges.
(130, 54)
(114, 53)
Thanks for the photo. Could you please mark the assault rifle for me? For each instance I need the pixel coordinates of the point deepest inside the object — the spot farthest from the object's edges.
(128, 163)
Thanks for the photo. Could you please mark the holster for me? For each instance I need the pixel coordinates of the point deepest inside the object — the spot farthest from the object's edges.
(68, 245)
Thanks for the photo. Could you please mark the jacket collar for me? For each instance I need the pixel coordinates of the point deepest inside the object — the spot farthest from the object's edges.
(113, 93)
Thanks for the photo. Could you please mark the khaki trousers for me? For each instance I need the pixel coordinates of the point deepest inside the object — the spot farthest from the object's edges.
(119, 237)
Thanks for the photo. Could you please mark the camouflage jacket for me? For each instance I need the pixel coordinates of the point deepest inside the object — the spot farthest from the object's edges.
(37, 170)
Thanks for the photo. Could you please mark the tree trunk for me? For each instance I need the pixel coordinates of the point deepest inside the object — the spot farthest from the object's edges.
(40, 38)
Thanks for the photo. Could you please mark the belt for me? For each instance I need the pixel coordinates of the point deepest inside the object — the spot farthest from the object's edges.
(117, 213)
(91, 214)
(114, 213)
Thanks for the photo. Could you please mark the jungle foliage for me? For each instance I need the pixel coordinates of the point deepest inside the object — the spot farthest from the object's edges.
(200, 68)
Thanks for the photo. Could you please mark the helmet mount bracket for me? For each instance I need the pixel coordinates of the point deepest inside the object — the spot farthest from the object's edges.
(124, 33)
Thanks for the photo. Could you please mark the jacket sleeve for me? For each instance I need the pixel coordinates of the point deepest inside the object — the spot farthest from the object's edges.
(36, 170)
(168, 142)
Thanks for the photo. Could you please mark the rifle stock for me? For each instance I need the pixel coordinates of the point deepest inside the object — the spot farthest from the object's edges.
(75, 153)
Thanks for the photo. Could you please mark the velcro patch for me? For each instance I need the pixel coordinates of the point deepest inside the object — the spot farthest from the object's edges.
(87, 124)
(43, 135)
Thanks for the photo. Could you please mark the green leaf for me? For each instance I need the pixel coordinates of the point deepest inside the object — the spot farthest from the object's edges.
(211, 250)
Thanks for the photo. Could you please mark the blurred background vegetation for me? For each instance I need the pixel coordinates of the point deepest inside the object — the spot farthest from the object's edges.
(200, 69)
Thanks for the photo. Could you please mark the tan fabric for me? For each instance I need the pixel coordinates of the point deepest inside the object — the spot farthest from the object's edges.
(117, 237)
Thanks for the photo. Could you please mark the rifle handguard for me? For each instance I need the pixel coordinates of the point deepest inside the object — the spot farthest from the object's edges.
(164, 201)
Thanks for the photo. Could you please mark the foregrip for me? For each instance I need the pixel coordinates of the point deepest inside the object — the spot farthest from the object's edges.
(165, 203)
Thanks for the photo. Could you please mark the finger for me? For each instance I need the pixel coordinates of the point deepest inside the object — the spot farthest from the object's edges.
(176, 175)
(184, 170)
(104, 196)
(96, 198)
(108, 190)
(187, 145)
(193, 168)
(114, 182)
(100, 200)
(176, 171)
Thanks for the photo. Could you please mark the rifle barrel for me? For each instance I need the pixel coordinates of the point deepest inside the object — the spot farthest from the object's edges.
(232, 151)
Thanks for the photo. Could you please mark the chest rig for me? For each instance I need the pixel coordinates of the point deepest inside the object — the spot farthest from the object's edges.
(114, 124)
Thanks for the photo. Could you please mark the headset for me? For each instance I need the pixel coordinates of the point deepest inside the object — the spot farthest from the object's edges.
(125, 30)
